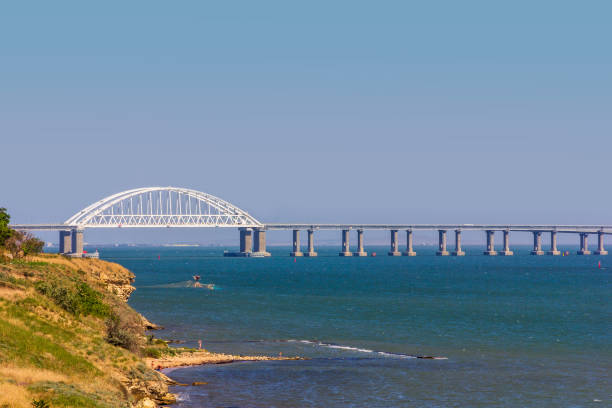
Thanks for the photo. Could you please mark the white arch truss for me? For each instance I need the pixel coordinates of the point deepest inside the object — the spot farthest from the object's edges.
(162, 207)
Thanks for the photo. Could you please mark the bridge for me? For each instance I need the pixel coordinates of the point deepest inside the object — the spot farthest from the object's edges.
(173, 207)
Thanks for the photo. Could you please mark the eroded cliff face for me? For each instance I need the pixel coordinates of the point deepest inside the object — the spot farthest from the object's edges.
(117, 279)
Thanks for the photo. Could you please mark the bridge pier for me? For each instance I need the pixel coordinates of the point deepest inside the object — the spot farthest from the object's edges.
(409, 251)
(77, 243)
(600, 244)
(458, 251)
(296, 244)
(65, 242)
(442, 243)
(506, 251)
(311, 252)
(346, 251)
(553, 244)
(360, 250)
(259, 243)
(584, 244)
(394, 244)
(490, 244)
(537, 243)
(245, 242)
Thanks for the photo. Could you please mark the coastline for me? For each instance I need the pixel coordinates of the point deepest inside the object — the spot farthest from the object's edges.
(203, 357)
(64, 322)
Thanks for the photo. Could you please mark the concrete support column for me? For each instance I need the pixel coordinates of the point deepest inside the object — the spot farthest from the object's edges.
(537, 243)
(506, 251)
(77, 243)
(458, 251)
(246, 241)
(409, 251)
(394, 244)
(296, 244)
(311, 252)
(360, 250)
(346, 251)
(442, 243)
(600, 244)
(584, 244)
(553, 244)
(259, 243)
(490, 244)
(65, 242)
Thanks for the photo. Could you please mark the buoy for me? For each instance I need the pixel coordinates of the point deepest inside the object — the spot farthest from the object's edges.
(599, 264)
(294, 259)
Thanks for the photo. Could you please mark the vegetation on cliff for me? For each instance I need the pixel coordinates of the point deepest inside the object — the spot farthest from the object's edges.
(67, 337)
(17, 243)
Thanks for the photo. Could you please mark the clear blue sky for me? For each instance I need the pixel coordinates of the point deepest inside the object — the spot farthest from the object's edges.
(323, 111)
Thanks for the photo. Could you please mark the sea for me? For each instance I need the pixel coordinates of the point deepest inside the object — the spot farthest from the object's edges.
(519, 331)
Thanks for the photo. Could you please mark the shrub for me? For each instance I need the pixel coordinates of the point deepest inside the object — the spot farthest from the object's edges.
(78, 300)
(40, 403)
(31, 245)
(22, 244)
(119, 334)
(153, 352)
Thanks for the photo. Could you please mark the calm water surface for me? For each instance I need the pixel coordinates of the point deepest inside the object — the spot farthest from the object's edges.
(516, 331)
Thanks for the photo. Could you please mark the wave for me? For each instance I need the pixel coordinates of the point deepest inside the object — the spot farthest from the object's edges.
(185, 284)
(363, 350)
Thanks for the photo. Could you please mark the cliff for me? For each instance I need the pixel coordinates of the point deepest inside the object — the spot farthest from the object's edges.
(67, 337)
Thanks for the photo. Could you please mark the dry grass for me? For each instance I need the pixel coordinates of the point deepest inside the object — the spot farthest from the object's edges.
(14, 396)
(29, 375)
(12, 294)
(91, 265)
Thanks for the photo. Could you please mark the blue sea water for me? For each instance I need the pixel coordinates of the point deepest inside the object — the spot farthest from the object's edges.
(519, 331)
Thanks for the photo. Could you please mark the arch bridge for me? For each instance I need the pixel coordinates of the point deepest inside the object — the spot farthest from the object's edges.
(155, 207)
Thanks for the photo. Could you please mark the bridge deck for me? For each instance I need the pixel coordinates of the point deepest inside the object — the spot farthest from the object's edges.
(592, 229)
(606, 229)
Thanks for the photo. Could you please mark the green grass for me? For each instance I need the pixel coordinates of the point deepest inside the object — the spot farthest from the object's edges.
(76, 298)
(22, 262)
(23, 311)
(65, 395)
(18, 344)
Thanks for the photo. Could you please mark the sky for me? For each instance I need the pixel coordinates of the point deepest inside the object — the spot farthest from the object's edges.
(319, 111)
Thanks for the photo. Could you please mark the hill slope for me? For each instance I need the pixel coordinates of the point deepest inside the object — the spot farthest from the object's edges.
(68, 338)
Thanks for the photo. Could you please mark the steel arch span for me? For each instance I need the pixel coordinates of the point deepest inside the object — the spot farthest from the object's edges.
(162, 207)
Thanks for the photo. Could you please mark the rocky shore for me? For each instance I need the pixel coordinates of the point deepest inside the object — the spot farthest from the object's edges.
(205, 357)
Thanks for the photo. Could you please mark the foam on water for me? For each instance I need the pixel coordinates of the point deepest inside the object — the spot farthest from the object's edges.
(364, 350)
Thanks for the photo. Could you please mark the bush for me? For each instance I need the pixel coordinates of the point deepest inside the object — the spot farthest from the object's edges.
(153, 352)
(32, 245)
(40, 403)
(22, 244)
(119, 334)
(80, 299)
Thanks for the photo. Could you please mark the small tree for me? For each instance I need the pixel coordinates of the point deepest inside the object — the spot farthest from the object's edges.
(32, 245)
(22, 244)
(5, 231)
(13, 243)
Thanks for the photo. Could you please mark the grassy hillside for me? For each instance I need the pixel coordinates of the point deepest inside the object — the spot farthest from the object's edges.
(68, 339)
